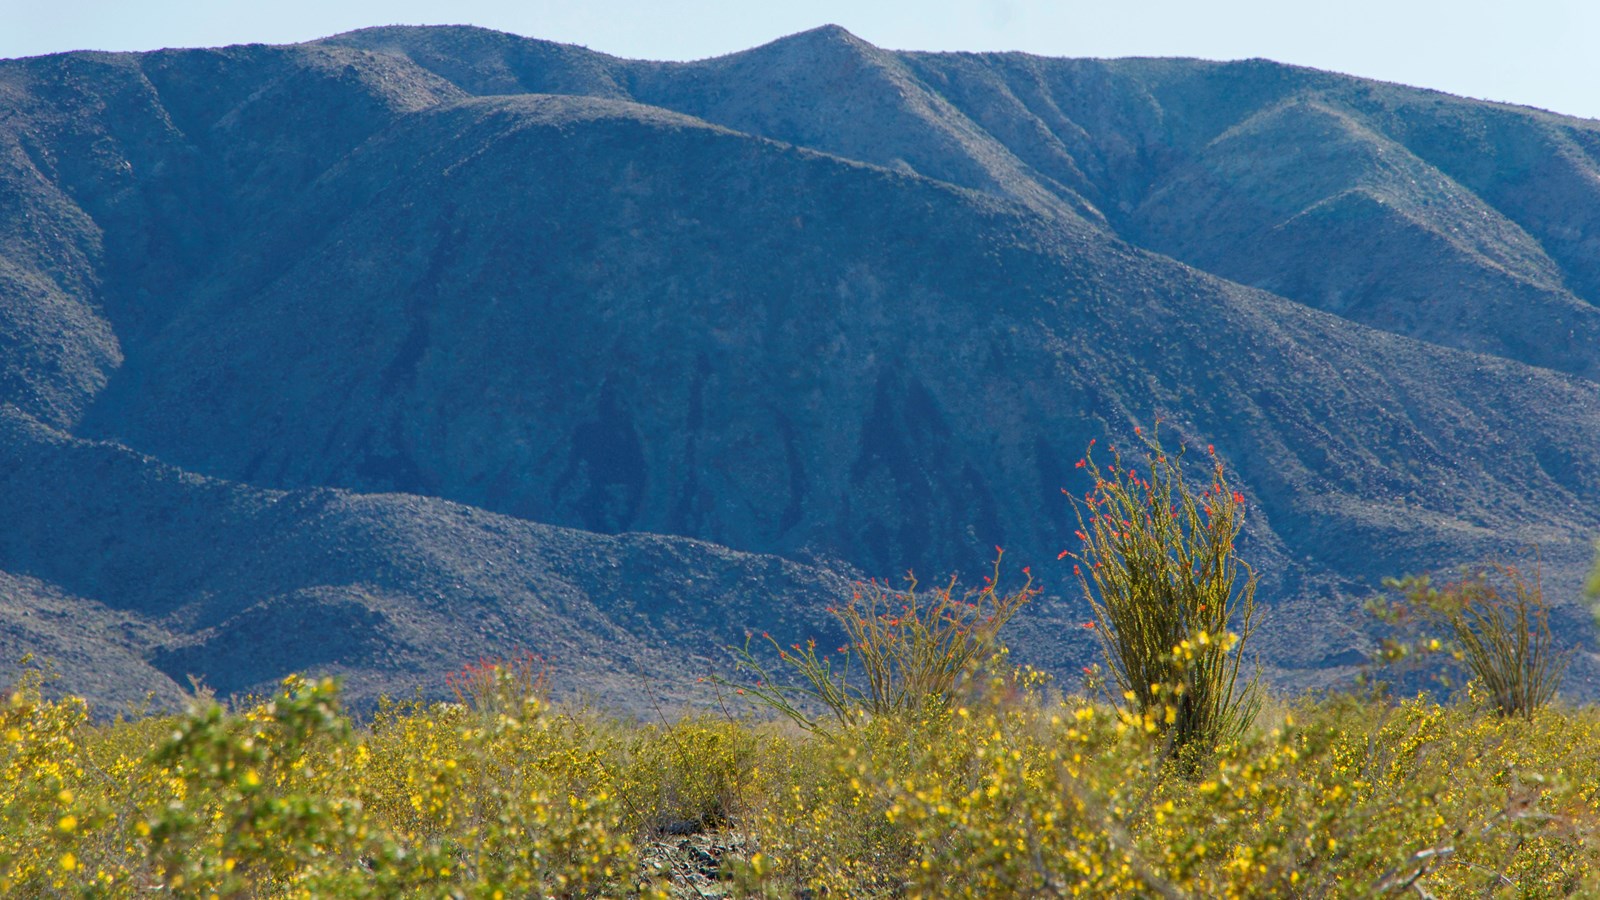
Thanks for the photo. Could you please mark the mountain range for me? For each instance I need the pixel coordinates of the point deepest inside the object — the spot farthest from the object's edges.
(379, 353)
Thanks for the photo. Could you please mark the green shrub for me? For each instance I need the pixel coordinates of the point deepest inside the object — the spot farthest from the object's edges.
(255, 807)
(688, 776)
(906, 649)
(45, 812)
(1498, 626)
(1158, 565)
(519, 804)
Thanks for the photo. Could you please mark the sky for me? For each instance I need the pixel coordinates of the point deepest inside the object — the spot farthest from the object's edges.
(1536, 52)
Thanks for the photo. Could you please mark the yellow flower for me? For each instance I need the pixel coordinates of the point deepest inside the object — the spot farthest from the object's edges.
(67, 823)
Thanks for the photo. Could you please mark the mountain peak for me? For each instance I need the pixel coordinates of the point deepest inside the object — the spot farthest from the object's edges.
(830, 31)
(823, 37)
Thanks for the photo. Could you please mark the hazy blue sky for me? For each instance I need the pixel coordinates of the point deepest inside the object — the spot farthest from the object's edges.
(1538, 52)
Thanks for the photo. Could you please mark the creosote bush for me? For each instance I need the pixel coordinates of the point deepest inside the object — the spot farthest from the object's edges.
(906, 649)
(1172, 601)
(1496, 624)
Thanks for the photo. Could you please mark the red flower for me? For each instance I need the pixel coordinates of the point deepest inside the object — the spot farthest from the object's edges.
(1211, 449)
(1088, 626)
(1138, 430)
(1080, 464)
(1063, 554)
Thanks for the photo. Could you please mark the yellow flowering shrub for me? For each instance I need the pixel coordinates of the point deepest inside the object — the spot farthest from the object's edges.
(1005, 791)
(43, 810)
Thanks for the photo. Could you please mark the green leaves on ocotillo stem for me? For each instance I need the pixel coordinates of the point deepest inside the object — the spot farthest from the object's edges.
(1172, 601)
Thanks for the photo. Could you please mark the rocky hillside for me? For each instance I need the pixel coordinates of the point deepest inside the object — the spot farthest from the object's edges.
(381, 352)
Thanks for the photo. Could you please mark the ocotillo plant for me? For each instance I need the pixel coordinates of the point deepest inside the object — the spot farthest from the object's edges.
(1172, 601)
(906, 649)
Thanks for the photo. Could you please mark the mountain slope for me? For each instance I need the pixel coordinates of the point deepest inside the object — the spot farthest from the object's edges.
(1397, 174)
(138, 575)
(1330, 190)
(385, 351)
(590, 326)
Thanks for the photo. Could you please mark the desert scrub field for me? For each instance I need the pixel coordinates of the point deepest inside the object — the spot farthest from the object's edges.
(914, 761)
(1008, 792)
